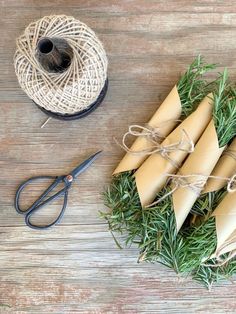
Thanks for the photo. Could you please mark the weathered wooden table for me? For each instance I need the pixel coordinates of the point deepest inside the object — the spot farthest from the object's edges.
(76, 267)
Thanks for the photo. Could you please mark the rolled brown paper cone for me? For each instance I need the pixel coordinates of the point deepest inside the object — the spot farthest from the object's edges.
(201, 162)
(228, 246)
(226, 167)
(169, 111)
(151, 176)
(225, 217)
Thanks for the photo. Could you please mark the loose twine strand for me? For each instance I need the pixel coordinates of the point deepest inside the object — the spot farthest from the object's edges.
(181, 181)
(45, 122)
(80, 84)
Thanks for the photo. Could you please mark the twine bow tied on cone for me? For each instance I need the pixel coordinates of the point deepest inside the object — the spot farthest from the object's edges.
(153, 134)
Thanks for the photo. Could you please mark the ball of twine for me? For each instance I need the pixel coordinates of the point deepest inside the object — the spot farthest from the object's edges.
(80, 84)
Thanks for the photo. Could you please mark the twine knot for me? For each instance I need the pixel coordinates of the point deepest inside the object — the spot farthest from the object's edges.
(196, 185)
(181, 181)
(151, 133)
(185, 143)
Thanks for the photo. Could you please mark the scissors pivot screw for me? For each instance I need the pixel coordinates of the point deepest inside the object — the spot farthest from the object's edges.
(69, 178)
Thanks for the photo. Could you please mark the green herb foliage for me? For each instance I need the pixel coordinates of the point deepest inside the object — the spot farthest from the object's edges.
(192, 87)
(208, 275)
(199, 242)
(122, 198)
(174, 253)
(207, 202)
(224, 112)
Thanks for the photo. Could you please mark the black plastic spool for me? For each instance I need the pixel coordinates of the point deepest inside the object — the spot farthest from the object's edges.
(80, 114)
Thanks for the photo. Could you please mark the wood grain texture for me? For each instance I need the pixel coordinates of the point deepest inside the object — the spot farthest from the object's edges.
(76, 267)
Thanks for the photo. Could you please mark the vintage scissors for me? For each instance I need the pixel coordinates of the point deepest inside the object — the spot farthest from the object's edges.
(45, 199)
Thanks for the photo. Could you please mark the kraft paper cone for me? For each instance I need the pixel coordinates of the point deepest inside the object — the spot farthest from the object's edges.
(169, 110)
(226, 167)
(228, 246)
(201, 162)
(151, 176)
(225, 218)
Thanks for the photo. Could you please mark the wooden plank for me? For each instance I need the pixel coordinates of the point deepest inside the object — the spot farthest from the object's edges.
(132, 6)
(76, 267)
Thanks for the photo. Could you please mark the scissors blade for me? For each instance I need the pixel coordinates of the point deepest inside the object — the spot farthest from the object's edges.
(84, 165)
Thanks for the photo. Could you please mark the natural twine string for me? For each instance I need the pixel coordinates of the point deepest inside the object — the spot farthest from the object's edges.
(45, 122)
(80, 84)
(181, 181)
(222, 261)
(154, 136)
(150, 133)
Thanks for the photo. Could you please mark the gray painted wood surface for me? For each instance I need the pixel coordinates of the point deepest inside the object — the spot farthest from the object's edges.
(76, 267)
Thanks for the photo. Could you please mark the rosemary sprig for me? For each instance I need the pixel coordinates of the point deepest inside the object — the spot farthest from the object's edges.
(192, 87)
(208, 275)
(122, 198)
(173, 251)
(207, 202)
(198, 248)
(224, 112)
(160, 241)
(200, 243)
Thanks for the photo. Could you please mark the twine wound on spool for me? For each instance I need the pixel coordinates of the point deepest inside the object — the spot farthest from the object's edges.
(77, 72)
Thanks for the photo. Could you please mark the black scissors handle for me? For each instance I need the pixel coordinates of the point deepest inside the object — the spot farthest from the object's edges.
(43, 200)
